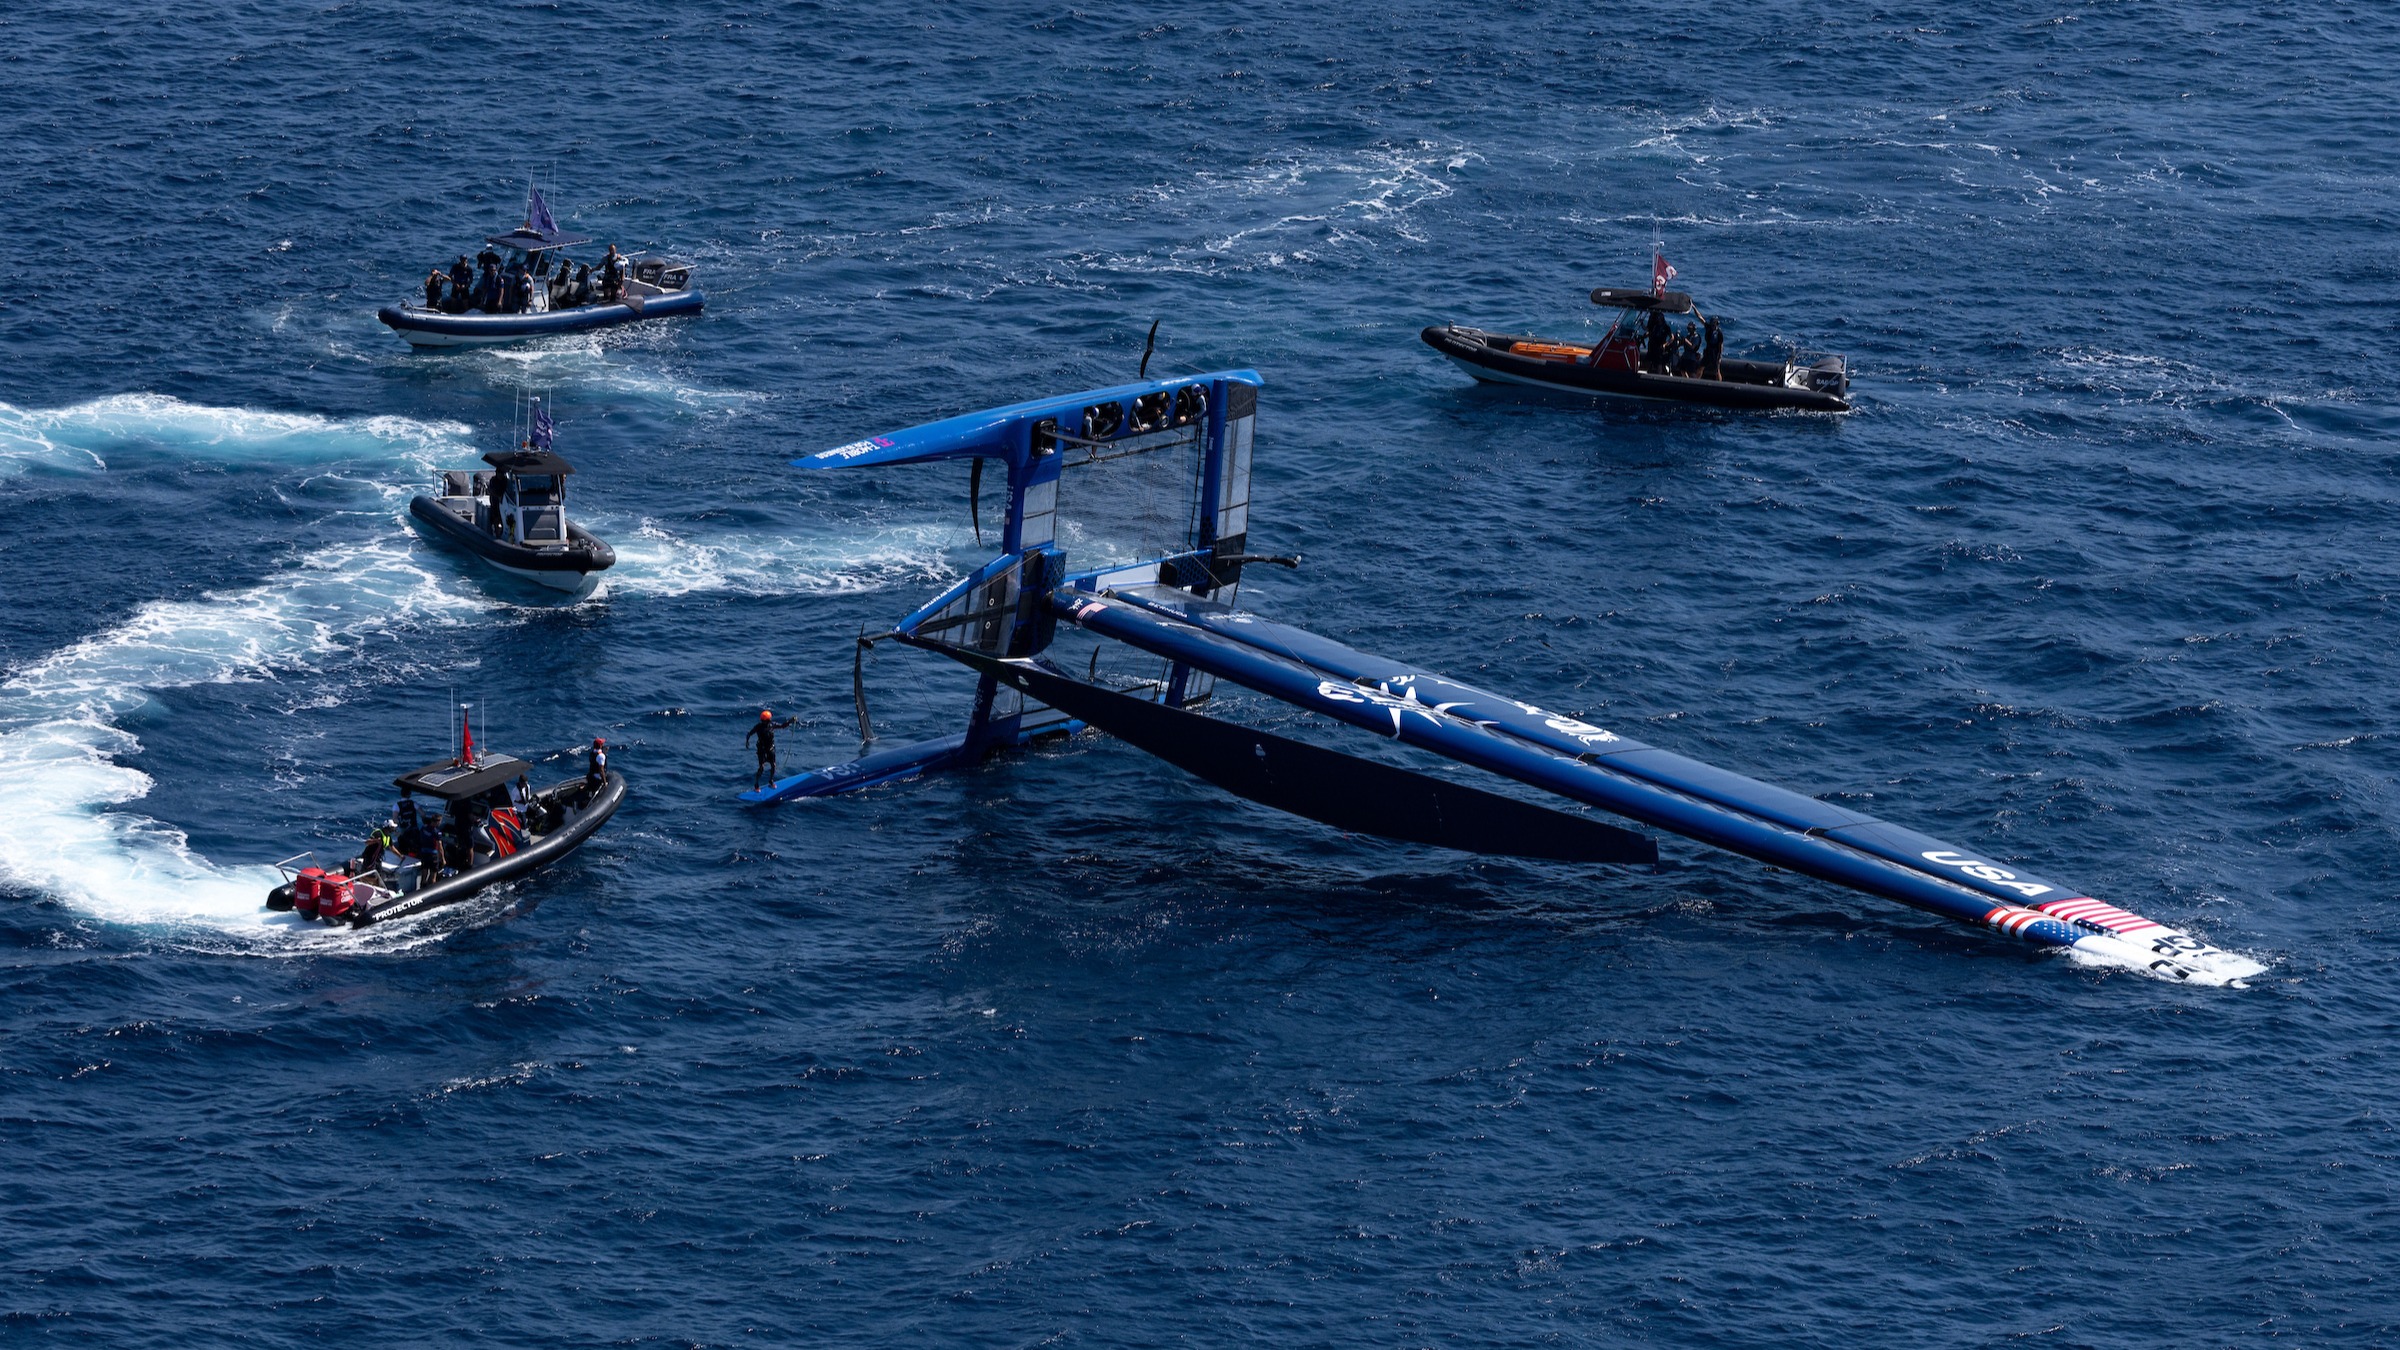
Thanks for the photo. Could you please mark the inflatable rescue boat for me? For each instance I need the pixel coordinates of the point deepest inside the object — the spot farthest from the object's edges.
(1644, 356)
(467, 314)
(514, 515)
(490, 826)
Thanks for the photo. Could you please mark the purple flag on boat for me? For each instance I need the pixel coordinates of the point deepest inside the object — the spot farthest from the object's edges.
(537, 213)
(540, 440)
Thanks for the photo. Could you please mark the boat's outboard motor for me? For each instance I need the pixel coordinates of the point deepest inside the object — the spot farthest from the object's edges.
(1829, 376)
(305, 884)
(334, 897)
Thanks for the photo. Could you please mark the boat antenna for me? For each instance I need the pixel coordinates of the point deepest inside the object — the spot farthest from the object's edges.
(1149, 345)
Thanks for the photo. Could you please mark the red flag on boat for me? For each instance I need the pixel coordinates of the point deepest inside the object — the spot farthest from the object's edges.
(1661, 272)
(466, 735)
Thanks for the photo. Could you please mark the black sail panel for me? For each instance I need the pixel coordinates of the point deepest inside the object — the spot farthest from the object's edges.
(1361, 796)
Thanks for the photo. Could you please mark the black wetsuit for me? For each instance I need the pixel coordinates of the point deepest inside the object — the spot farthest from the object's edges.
(1654, 358)
(421, 844)
(433, 290)
(768, 768)
(1712, 355)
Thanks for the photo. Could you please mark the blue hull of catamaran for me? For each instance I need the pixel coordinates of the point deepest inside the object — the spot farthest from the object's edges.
(424, 327)
(1589, 764)
(893, 765)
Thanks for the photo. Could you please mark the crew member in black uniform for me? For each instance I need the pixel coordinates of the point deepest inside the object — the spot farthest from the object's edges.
(1654, 357)
(416, 840)
(764, 731)
(1712, 353)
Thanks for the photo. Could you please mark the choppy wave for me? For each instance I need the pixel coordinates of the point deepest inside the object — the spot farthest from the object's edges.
(64, 782)
(60, 744)
(654, 560)
(85, 436)
(592, 364)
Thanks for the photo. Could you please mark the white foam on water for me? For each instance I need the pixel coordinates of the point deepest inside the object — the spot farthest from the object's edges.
(84, 436)
(591, 361)
(60, 745)
(2202, 964)
(65, 830)
(653, 560)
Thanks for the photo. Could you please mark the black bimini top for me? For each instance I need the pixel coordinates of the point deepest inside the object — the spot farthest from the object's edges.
(523, 462)
(534, 241)
(1673, 302)
(452, 781)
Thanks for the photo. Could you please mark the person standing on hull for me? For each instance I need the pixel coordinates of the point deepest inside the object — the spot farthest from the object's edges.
(1654, 357)
(462, 280)
(595, 770)
(763, 730)
(1712, 352)
(612, 274)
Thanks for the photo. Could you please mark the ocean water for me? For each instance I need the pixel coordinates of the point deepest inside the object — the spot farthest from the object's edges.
(1074, 1050)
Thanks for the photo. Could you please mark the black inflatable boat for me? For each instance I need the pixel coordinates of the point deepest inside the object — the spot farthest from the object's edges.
(489, 829)
(1631, 361)
(524, 529)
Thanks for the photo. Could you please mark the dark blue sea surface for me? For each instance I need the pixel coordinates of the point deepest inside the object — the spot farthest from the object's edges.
(1075, 1050)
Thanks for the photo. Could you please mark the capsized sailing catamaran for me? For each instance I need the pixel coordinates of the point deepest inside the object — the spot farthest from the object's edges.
(1163, 580)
